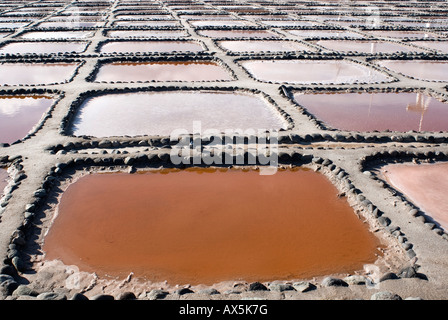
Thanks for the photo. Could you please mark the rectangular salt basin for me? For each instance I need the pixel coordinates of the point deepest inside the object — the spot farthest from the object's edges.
(69, 24)
(36, 73)
(402, 34)
(440, 46)
(151, 46)
(162, 71)
(147, 23)
(224, 23)
(20, 114)
(42, 47)
(426, 185)
(431, 70)
(144, 16)
(12, 25)
(147, 34)
(160, 113)
(42, 35)
(262, 46)
(238, 33)
(377, 111)
(371, 47)
(287, 23)
(325, 34)
(243, 226)
(313, 71)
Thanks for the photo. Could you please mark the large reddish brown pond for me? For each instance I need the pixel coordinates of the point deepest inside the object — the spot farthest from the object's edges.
(36, 73)
(162, 71)
(432, 70)
(312, 71)
(377, 111)
(19, 115)
(426, 185)
(159, 113)
(197, 226)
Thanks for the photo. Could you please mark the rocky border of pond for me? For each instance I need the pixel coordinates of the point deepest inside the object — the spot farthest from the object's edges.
(25, 242)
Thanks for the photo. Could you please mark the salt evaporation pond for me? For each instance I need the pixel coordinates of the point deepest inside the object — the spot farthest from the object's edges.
(313, 71)
(242, 226)
(46, 47)
(162, 71)
(41, 35)
(371, 47)
(20, 114)
(380, 111)
(36, 73)
(426, 185)
(432, 70)
(262, 46)
(151, 46)
(147, 33)
(237, 33)
(159, 113)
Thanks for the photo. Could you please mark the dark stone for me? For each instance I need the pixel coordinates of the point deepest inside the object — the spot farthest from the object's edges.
(79, 296)
(389, 276)
(408, 272)
(127, 296)
(103, 297)
(9, 286)
(334, 282)
(51, 296)
(184, 291)
(257, 286)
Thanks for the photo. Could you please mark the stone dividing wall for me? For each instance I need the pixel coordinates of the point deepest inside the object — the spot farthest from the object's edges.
(49, 154)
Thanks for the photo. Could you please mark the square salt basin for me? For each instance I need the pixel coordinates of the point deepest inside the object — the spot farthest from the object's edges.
(151, 46)
(325, 34)
(430, 70)
(372, 47)
(147, 23)
(162, 71)
(46, 47)
(147, 34)
(36, 73)
(263, 46)
(43, 35)
(377, 111)
(160, 113)
(19, 115)
(285, 226)
(313, 71)
(238, 34)
(440, 46)
(425, 185)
